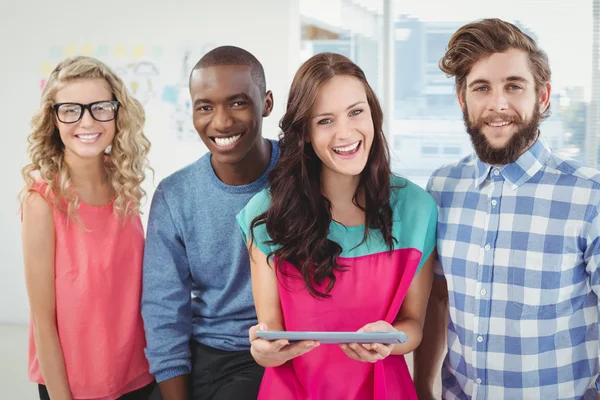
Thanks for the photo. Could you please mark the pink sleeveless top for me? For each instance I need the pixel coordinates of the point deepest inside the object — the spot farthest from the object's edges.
(98, 282)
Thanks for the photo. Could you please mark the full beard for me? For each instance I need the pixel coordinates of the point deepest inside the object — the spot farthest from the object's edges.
(526, 134)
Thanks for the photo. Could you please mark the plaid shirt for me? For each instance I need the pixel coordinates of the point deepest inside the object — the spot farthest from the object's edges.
(519, 248)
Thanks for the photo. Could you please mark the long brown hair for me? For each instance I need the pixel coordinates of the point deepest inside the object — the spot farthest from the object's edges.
(299, 215)
(480, 39)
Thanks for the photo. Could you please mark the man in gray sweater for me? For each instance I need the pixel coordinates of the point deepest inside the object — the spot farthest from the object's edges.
(197, 300)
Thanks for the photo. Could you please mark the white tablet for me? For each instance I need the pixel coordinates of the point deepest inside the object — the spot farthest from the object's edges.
(395, 337)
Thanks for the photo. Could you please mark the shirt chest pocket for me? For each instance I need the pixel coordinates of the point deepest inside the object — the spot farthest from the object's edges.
(540, 282)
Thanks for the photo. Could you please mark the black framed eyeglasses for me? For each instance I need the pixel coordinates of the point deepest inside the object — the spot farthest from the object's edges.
(101, 111)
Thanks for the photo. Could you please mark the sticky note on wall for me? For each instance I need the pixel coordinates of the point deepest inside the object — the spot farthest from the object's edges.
(45, 68)
(120, 51)
(56, 52)
(87, 50)
(102, 51)
(70, 51)
(138, 51)
(157, 52)
(170, 95)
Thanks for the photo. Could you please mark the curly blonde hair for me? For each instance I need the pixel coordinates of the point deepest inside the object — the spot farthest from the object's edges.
(126, 164)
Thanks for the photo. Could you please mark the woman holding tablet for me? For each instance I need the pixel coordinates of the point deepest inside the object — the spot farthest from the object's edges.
(337, 243)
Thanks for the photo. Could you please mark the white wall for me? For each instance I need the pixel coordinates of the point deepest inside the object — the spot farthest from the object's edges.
(328, 12)
(31, 30)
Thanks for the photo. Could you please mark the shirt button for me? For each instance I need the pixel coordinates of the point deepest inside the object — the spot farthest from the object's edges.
(496, 172)
(487, 247)
(480, 339)
(483, 292)
(494, 202)
(478, 380)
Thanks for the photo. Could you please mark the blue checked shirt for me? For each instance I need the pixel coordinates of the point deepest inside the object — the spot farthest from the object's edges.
(519, 248)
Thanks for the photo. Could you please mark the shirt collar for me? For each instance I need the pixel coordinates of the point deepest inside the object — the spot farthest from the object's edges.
(520, 171)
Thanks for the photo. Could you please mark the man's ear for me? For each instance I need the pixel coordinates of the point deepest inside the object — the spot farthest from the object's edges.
(460, 95)
(267, 104)
(544, 97)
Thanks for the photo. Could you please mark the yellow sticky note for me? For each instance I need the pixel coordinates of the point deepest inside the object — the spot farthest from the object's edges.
(87, 50)
(120, 51)
(70, 51)
(45, 68)
(138, 51)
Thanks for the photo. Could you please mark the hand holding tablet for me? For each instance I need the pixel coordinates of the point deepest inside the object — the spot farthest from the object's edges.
(272, 353)
(373, 342)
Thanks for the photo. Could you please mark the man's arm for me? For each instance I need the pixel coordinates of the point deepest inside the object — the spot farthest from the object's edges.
(166, 302)
(428, 356)
(175, 388)
(591, 257)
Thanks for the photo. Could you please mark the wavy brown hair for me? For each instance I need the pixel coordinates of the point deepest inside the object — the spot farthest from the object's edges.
(127, 161)
(483, 38)
(299, 215)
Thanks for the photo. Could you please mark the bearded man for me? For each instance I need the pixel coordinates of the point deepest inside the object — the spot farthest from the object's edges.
(515, 302)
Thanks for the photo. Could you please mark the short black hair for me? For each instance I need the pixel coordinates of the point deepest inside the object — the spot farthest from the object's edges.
(231, 55)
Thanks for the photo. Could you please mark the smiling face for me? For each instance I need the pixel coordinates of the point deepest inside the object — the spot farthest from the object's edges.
(228, 111)
(341, 128)
(86, 138)
(502, 107)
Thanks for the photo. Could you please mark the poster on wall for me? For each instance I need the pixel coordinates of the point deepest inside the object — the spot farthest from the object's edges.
(155, 75)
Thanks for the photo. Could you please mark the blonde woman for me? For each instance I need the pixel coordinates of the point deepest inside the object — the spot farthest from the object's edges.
(83, 238)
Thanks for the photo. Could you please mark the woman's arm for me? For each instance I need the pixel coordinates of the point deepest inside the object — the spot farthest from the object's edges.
(428, 356)
(268, 310)
(38, 240)
(411, 317)
(264, 290)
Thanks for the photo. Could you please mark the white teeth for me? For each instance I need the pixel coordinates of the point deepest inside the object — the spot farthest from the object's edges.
(88, 137)
(347, 148)
(498, 124)
(227, 141)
